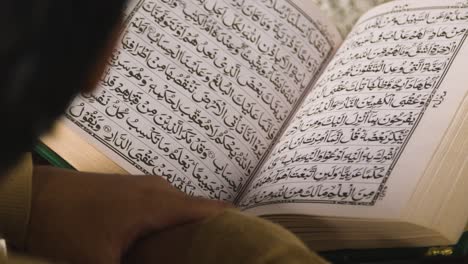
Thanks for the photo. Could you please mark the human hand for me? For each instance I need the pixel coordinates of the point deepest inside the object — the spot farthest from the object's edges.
(94, 218)
(172, 245)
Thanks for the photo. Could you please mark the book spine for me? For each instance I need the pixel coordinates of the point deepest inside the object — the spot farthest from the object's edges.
(50, 156)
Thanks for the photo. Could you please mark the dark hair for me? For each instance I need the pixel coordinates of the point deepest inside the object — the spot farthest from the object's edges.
(47, 51)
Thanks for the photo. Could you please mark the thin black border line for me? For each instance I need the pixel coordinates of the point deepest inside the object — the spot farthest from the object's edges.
(330, 43)
(293, 110)
(85, 129)
(410, 9)
(403, 146)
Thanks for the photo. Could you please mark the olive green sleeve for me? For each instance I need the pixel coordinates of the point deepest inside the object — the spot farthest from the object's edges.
(239, 238)
(13, 259)
(229, 238)
(15, 202)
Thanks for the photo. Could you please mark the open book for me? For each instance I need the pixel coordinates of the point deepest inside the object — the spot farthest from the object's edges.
(354, 143)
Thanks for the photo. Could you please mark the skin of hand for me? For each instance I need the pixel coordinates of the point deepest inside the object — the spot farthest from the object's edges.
(94, 218)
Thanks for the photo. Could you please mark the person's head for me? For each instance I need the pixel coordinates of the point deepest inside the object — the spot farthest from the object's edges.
(49, 50)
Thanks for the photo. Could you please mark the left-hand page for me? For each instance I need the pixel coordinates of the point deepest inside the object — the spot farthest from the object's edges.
(198, 90)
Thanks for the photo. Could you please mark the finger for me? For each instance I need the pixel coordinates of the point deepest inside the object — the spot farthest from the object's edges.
(163, 247)
(201, 207)
(196, 208)
(175, 198)
(157, 182)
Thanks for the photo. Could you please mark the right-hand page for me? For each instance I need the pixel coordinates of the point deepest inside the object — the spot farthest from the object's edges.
(366, 132)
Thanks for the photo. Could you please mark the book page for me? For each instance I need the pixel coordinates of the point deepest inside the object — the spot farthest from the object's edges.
(369, 127)
(198, 89)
